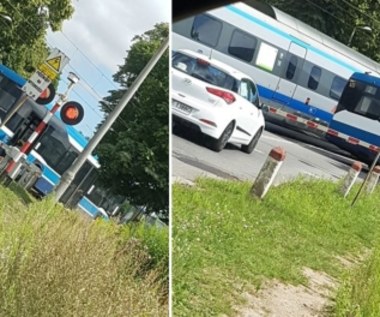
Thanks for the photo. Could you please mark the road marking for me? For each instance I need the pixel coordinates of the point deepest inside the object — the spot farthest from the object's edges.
(277, 139)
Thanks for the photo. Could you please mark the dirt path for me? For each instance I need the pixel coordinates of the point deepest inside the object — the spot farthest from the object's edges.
(276, 299)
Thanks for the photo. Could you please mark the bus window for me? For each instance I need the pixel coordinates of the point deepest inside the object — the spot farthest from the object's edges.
(206, 30)
(292, 66)
(337, 87)
(242, 45)
(314, 77)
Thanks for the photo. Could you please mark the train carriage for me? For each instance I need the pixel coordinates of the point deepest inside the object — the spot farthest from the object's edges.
(54, 151)
(297, 68)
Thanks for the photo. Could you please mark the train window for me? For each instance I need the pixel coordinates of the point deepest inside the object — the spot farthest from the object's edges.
(292, 66)
(314, 77)
(242, 45)
(56, 149)
(368, 107)
(337, 87)
(9, 94)
(206, 30)
(267, 57)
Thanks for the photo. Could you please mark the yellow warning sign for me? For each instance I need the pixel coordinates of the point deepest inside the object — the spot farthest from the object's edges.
(55, 63)
(48, 71)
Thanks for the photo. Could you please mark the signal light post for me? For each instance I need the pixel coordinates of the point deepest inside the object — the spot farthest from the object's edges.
(69, 175)
(69, 115)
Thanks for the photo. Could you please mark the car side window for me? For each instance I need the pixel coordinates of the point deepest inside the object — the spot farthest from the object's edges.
(244, 90)
(248, 91)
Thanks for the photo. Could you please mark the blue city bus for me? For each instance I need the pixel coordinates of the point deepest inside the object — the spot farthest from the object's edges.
(54, 151)
(357, 115)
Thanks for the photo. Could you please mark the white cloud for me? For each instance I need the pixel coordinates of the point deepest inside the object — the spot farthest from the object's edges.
(96, 39)
(103, 30)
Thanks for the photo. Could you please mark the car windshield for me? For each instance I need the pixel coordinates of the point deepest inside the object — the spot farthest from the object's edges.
(203, 70)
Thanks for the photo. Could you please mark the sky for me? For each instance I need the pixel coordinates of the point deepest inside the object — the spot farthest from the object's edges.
(96, 39)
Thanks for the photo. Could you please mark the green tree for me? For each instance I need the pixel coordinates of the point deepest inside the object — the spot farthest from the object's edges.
(23, 45)
(134, 155)
(338, 18)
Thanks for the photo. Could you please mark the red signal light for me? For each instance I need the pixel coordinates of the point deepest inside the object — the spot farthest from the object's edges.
(72, 113)
(47, 95)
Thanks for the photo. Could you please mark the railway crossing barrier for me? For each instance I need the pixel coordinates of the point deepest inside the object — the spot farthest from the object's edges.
(268, 172)
(314, 126)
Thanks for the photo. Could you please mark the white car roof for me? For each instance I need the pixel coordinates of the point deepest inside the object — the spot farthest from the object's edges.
(222, 66)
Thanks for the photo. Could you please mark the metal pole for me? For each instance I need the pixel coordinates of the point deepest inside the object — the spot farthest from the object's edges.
(40, 128)
(69, 175)
(366, 179)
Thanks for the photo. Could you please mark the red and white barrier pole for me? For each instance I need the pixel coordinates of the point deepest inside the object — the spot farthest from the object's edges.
(12, 167)
(351, 177)
(268, 172)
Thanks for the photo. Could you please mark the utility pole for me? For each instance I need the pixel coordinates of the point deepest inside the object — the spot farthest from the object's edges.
(69, 175)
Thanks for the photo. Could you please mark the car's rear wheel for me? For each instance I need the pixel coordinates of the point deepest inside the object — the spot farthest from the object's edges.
(251, 146)
(219, 144)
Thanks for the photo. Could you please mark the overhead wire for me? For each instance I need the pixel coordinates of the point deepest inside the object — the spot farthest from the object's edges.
(88, 86)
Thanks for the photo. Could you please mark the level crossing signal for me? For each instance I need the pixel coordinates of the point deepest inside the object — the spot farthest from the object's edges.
(47, 95)
(72, 113)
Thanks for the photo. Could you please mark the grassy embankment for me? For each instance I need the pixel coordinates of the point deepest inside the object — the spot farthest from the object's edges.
(359, 294)
(54, 262)
(225, 242)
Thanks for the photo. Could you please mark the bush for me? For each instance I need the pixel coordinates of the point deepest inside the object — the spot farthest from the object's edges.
(59, 263)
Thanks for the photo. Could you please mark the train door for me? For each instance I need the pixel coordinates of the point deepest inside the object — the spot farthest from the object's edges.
(286, 85)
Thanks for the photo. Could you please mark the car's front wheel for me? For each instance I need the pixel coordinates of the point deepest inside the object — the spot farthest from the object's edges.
(219, 144)
(251, 146)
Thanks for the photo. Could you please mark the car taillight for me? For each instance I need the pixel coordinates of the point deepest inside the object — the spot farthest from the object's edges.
(202, 62)
(226, 96)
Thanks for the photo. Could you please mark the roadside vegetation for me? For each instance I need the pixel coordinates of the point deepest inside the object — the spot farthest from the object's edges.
(359, 294)
(226, 242)
(55, 262)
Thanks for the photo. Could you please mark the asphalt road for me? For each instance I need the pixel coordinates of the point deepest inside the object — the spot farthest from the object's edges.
(305, 155)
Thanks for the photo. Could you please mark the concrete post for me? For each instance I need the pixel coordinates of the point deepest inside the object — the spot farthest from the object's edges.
(351, 177)
(268, 172)
(372, 180)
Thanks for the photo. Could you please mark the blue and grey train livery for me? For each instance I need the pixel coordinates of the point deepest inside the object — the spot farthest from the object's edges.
(297, 68)
(54, 151)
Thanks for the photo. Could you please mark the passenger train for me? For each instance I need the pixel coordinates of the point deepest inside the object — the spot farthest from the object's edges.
(358, 116)
(297, 68)
(54, 151)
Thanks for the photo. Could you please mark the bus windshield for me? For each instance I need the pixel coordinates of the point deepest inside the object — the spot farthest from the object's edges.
(361, 98)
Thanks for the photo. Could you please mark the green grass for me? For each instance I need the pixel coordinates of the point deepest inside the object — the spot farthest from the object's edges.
(225, 242)
(54, 262)
(359, 294)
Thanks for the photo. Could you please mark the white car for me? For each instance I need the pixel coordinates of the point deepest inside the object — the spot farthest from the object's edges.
(216, 99)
